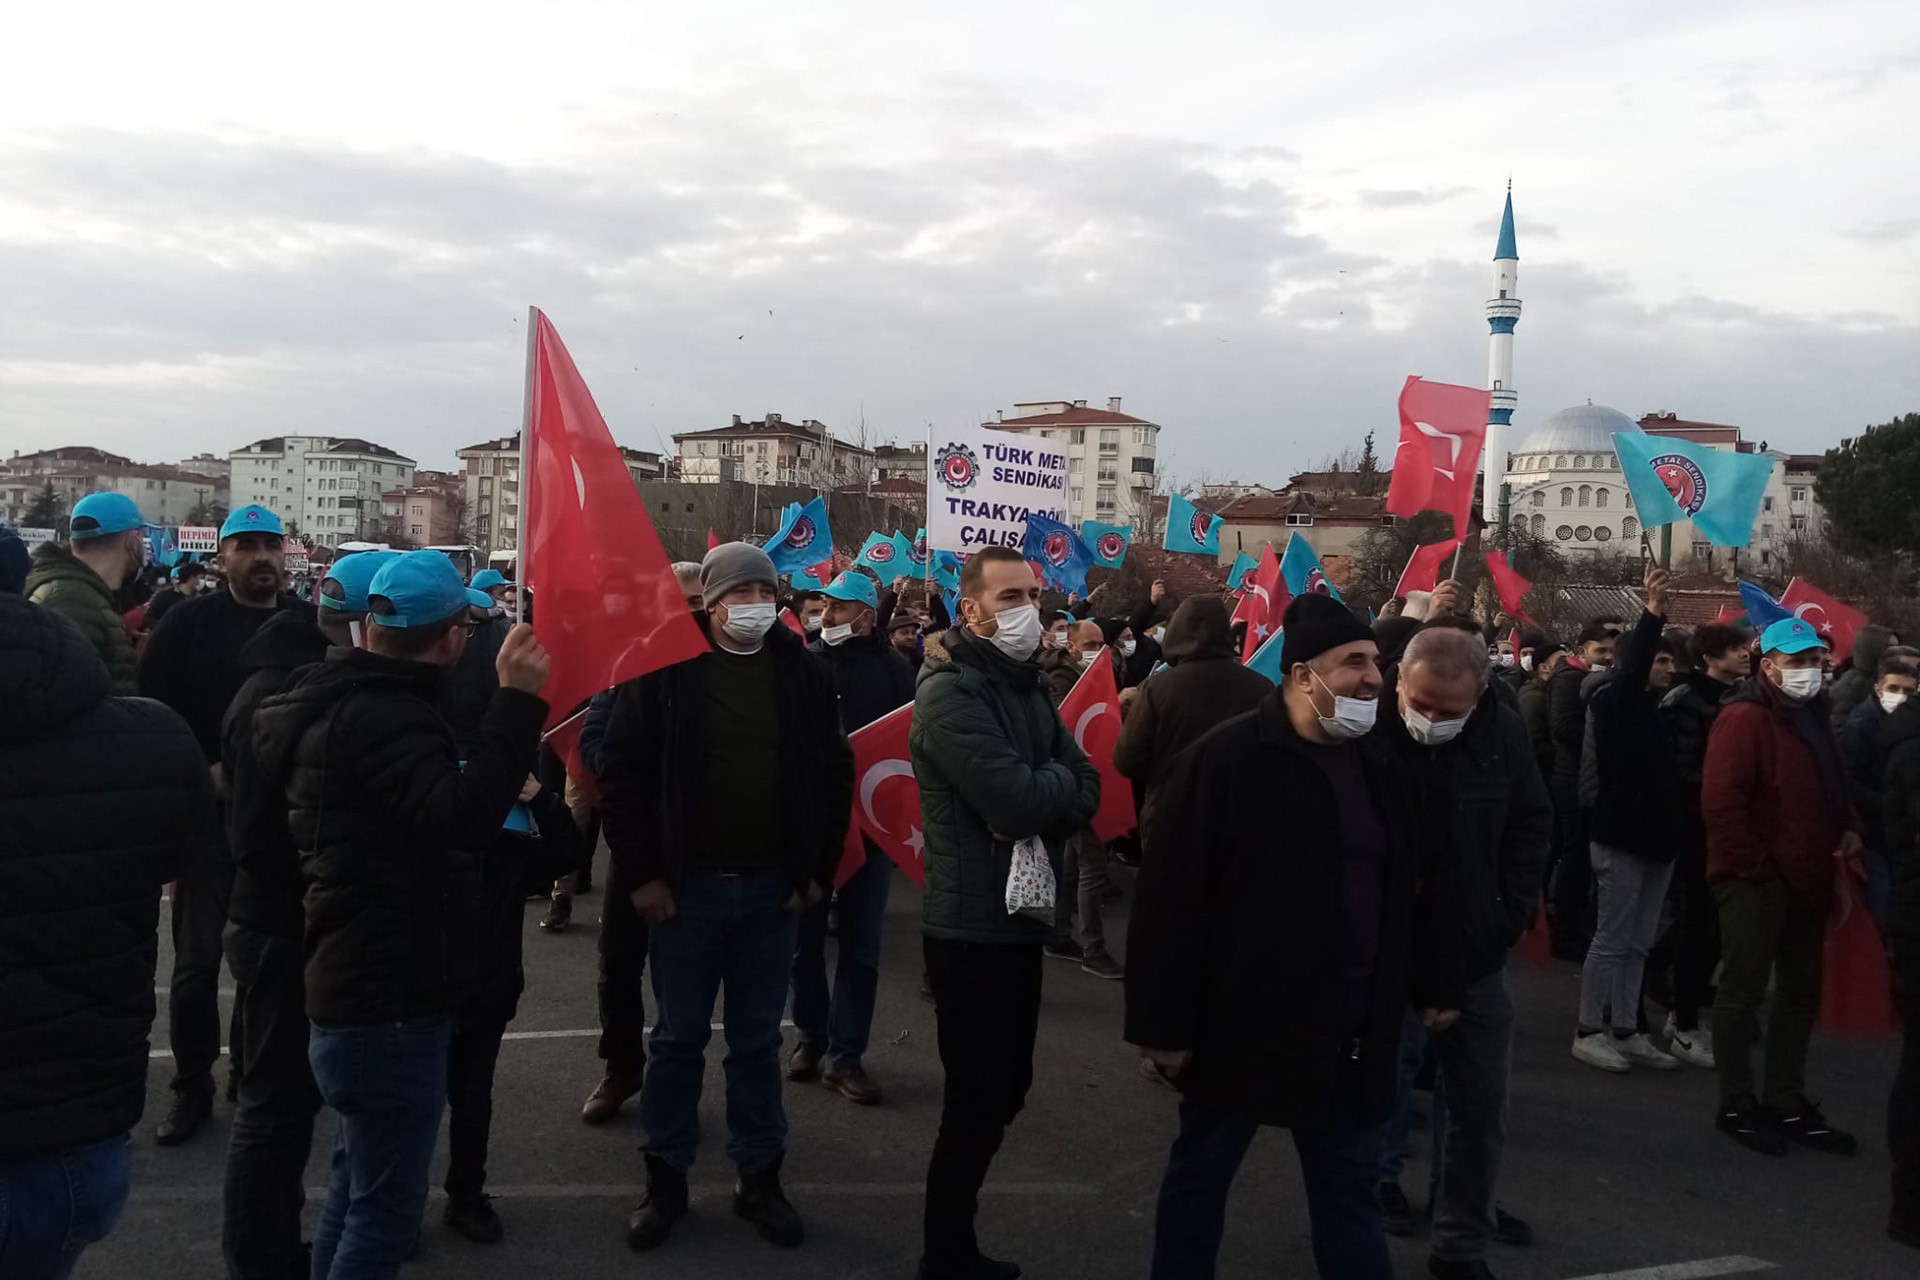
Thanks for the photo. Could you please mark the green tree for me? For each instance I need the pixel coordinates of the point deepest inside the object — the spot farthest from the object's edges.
(207, 513)
(45, 509)
(1870, 489)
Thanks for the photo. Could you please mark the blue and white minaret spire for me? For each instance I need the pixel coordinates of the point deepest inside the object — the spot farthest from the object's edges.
(1503, 313)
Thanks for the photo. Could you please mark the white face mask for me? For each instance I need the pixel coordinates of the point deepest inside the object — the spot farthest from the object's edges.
(1056, 639)
(748, 623)
(1157, 635)
(1526, 662)
(813, 623)
(1801, 684)
(1127, 647)
(1598, 667)
(1352, 717)
(837, 635)
(1431, 733)
(1891, 702)
(1086, 657)
(1506, 660)
(1017, 631)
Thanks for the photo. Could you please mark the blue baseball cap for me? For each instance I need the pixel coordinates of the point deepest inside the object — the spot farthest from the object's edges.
(1790, 635)
(487, 579)
(354, 573)
(251, 520)
(854, 588)
(99, 514)
(420, 589)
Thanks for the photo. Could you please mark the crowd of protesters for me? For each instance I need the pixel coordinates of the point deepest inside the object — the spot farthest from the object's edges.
(354, 804)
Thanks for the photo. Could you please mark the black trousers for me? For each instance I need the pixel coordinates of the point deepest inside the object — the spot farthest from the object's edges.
(987, 1004)
(273, 1124)
(623, 1005)
(1692, 945)
(471, 1058)
(198, 920)
(1903, 1107)
(1571, 877)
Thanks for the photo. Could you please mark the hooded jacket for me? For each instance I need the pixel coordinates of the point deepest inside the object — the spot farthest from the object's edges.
(102, 801)
(1204, 686)
(994, 765)
(1855, 686)
(1236, 945)
(1773, 810)
(389, 822)
(64, 583)
(267, 886)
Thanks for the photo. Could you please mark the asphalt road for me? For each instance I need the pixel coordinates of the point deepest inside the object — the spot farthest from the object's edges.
(1617, 1174)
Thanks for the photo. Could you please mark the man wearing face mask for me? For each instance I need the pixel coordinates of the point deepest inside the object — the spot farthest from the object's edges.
(1293, 903)
(1084, 644)
(80, 583)
(832, 1025)
(1774, 799)
(811, 608)
(995, 766)
(1860, 741)
(1054, 638)
(1453, 727)
(727, 785)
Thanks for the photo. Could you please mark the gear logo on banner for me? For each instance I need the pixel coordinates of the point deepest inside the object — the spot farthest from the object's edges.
(956, 466)
(800, 537)
(1111, 546)
(1684, 480)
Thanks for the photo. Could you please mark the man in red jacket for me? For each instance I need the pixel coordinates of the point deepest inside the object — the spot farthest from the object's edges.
(1774, 800)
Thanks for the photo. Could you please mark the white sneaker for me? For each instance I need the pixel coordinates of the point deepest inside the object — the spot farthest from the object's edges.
(1693, 1047)
(1599, 1051)
(1637, 1048)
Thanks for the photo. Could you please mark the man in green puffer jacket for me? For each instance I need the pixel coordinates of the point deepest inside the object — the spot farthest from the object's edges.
(994, 765)
(79, 583)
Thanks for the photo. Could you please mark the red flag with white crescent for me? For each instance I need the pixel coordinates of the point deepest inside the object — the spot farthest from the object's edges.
(1263, 603)
(1092, 714)
(1834, 622)
(886, 799)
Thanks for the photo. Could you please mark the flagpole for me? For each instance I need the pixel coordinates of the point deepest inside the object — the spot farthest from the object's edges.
(1453, 574)
(521, 524)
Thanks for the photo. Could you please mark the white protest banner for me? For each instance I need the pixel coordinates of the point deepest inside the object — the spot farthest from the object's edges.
(296, 554)
(196, 539)
(982, 485)
(34, 537)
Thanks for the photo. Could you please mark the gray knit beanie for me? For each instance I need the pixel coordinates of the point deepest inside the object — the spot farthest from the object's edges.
(734, 564)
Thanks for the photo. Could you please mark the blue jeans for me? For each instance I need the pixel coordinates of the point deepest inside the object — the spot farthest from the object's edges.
(736, 930)
(1338, 1165)
(840, 1025)
(389, 1083)
(53, 1206)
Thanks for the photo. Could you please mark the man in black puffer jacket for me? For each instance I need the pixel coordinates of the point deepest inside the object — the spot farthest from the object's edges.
(1900, 737)
(273, 1122)
(872, 680)
(388, 814)
(102, 800)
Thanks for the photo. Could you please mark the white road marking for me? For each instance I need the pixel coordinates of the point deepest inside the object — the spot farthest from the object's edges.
(571, 1033)
(1733, 1265)
(627, 1191)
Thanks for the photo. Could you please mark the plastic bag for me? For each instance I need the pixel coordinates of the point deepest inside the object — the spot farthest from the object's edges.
(1030, 881)
(1856, 990)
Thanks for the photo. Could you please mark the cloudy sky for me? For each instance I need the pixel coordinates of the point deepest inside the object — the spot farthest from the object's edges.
(1251, 220)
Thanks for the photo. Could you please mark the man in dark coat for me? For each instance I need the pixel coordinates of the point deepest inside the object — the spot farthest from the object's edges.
(1204, 686)
(102, 801)
(192, 663)
(1901, 740)
(386, 808)
(995, 767)
(1291, 908)
(1453, 724)
(727, 785)
(832, 1026)
(1570, 885)
(273, 1117)
(1855, 685)
(1866, 757)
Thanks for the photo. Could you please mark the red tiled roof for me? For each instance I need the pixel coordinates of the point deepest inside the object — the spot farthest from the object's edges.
(74, 453)
(1335, 507)
(1075, 417)
(1698, 608)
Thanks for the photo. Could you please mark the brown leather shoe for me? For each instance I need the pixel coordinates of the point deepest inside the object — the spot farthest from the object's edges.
(855, 1085)
(803, 1063)
(604, 1103)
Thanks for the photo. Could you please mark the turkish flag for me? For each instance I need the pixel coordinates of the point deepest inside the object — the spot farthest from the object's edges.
(1512, 588)
(793, 622)
(565, 742)
(610, 609)
(1423, 567)
(1263, 602)
(1092, 714)
(1836, 623)
(1728, 613)
(713, 539)
(886, 799)
(1443, 428)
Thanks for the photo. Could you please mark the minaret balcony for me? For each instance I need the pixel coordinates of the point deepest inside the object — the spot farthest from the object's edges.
(1503, 308)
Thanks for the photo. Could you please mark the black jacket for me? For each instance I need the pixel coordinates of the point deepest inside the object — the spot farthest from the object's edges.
(1147, 652)
(652, 755)
(1235, 945)
(192, 659)
(1204, 687)
(267, 886)
(467, 689)
(102, 801)
(1501, 819)
(1642, 805)
(869, 678)
(1689, 710)
(514, 869)
(1866, 764)
(389, 825)
(1567, 718)
(1900, 737)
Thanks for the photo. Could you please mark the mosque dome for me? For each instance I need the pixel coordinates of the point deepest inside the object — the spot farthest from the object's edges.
(1585, 428)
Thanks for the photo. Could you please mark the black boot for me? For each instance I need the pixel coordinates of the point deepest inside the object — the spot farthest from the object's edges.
(191, 1108)
(757, 1197)
(662, 1204)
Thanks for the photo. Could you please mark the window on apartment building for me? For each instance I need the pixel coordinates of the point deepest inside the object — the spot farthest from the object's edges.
(1797, 523)
(419, 511)
(1797, 494)
(1143, 435)
(1109, 435)
(1077, 436)
(414, 529)
(1106, 497)
(1766, 504)
(1108, 472)
(1076, 495)
(1073, 466)
(1300, 519)
(1766, 532)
